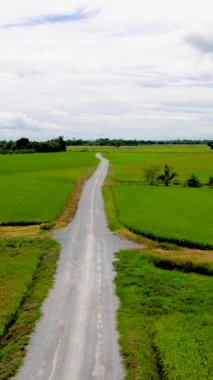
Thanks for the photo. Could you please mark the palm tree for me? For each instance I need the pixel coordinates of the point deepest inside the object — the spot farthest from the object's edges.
(168, 175)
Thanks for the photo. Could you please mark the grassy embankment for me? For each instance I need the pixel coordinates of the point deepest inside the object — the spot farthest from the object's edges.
(35, 189)
(165, 316)
(177, 214)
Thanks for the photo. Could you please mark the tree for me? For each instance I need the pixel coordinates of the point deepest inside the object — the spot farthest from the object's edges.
(62, 144)
(22, 143)
(168, 175)
(193, 181)
(150, 174)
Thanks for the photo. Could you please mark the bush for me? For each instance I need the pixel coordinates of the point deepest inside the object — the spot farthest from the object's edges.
(210, 181)
(193, 181)
(151, 173)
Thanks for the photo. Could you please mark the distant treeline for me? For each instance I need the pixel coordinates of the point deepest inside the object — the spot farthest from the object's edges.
(24, 145)
(121, 142)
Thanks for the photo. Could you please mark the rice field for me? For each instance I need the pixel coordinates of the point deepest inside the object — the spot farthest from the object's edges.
(130, 166)
(176, 213)
(35, 187)
(165, 319)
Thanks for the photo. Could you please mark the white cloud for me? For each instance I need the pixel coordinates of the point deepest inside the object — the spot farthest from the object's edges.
(137, 68)
(18, 124)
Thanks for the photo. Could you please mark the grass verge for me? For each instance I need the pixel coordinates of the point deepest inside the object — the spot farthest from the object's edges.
(27, 268)
(110, 208)
(72, 203)
(165, 316)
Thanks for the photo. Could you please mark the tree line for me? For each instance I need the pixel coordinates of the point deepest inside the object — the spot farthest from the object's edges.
(24, 145)
(123, 142)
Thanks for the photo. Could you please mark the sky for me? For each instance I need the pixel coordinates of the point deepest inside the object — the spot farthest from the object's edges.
(133, 69)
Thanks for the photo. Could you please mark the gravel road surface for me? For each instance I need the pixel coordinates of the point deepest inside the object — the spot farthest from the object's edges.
(76, 339)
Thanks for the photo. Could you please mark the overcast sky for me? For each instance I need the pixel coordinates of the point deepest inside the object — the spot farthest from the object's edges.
(106, 68)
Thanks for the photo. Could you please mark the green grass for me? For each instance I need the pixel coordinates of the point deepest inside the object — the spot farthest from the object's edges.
(177, 214)
(165, 320)
(26, 272)
(35, 188)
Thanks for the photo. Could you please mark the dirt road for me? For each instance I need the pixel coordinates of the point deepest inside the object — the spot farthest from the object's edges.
(76, 338)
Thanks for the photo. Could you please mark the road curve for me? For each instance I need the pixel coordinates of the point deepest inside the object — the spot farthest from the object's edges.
(76, 337)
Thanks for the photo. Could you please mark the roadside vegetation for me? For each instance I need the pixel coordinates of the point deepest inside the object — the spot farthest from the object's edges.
(27, 268)
(165, 316)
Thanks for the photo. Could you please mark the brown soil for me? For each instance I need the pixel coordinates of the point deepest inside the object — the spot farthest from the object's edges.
(71, 205)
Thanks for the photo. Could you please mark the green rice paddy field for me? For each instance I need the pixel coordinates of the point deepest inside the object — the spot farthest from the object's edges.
(165, 319)
(35, 187)
(142, 148)
(175, 213)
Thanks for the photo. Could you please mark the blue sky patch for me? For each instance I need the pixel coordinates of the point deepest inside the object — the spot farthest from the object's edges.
(51, 19)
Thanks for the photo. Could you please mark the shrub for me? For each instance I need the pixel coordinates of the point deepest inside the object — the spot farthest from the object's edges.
(151, 173)
(210, 181)
(193, 181)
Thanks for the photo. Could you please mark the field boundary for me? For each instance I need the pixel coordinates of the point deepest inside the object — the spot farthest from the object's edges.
(21, 223)
(162, 239)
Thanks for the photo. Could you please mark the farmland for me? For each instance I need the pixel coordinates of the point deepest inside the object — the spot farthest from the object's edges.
(172, 214)
(176, 213)
(129, 166)
(165, 315)
(165, 318)
(34, 188)
(155, 148)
